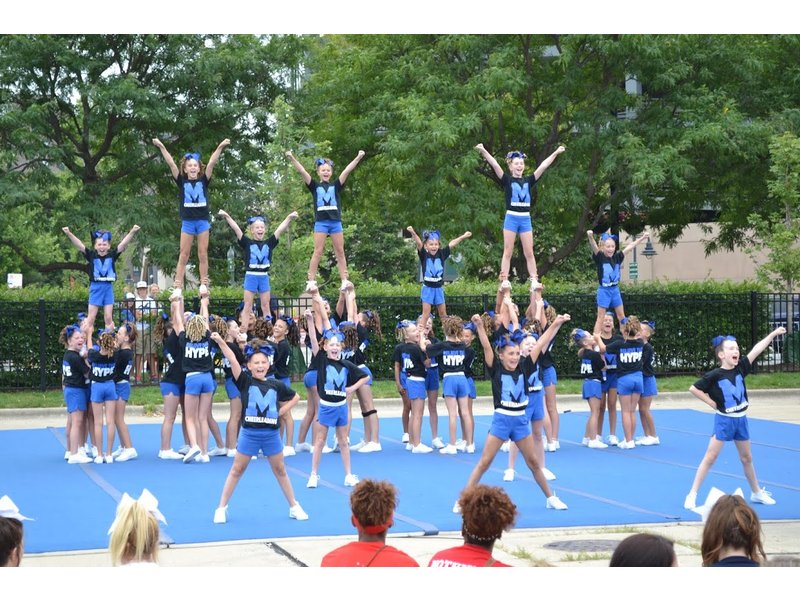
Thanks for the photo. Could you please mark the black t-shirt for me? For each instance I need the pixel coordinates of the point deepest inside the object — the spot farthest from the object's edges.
(258, 253)
(226, 364)
(327, 202)
(102, 366)
(452, 357)
(124, 364)
(608, 268)
(279, 366)
(74, 370)
(433, 266)
(196, 356)
(519, 191)
(260, 398)
(193, 198)
(629, 355)
(648, 354)
(726, 387)
(509, 390)
(611, 359)
(592, 365)
(174, 360)
(102, 269)
(356, 354)
(410, 358)
(546, 357)
(334, 376)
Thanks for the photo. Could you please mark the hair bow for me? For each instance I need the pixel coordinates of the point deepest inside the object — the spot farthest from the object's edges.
(71, 329)
(609, 236)
(266, 350)
(491, 313)
(545, 303)
(267, 318)
(9, 510)
(81, 316)
(432, 234)
(651, 324)
(404, 323)
(323, 161)
(289, 320)
(504, 341)
(103, 234)
(716, 341)
(194, 155)
(261, 218)
(128, 328)
(517, 336)
(368, 313)
(210, 318)
(623, 320)
(329, 334)
(164, 316)
(344, 324)
(148, 502)
(471, 326)
(579, 335)
(522, 322)
(516, 154)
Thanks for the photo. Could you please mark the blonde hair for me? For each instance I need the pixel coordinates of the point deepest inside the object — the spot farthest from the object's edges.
(219, 325)
(630, 327)
(196, 328)
(135, 536)
(453, 326)
(108, 342)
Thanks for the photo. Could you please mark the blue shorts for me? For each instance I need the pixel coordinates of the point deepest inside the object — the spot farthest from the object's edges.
(592, 388)
(649, 387)
(432, 379)
(103, 391)
(75, 398)
(403, 380)
(123, 390)
(200, 383)
(231, 389)
(195, 227)
(257, 284)
(517, 223)
(250, 441)
(168, 388)
(630, 384)
(366, 370)
(608, 297)
(473, 393)
(328, 227)
(535, 409)
(455, 385)
(332, 416)
(432, 296)
(510, 428)
(611, 381)
(730, 428)
(310, 379)
(101, 293)
(549, 376)
(416, 388)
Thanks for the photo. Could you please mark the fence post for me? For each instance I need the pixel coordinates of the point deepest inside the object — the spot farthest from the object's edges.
(485, 301)
(42, 347)
(754, 324)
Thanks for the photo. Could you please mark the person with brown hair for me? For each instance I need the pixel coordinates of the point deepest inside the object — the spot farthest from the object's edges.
(732, 535)
(644, 550)
(486, 512)
(11, 533)
(372, 504)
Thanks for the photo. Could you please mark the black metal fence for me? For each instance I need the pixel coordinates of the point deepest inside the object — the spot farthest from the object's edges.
(30, 355)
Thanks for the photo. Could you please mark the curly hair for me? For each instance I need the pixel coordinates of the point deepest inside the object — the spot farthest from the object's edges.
(452, 326)
(373, 502)
(262, 328)
(486, 512)
(631, 327)
(218, 324)
(489, 323)
(162, 328)
(731, 522)
(350, 337)
(108, 342)
(196, 328)
(550, 313)
(373, 323)
(293, 334)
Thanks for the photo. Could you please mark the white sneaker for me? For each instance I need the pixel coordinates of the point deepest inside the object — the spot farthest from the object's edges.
(184, 449)
(612, 440)
(303, 447)
(650, 440)
(461, 445)
(350, 479)
(638, 441)
(202, 458)
(508, 475)
(449, 449)
(176, 294)
(313, 480)
(691, 501)
(421, 449)
(221, 514)
(505, 284)
(117, 452)
(230, 452)
(405, 438)
(548, 474)
(288, 451)
(370, 447)
(327, 449)
(94, 452)
(762, 496)
(66, 455)
(557, 444)
(344, 285)
(506, 446)
(297, 512)
(311, 284)
(78, 459)
(218, 451)
(358, 446)
(193, 453)
(169, 454)
(585, 441)
(555, 502)
(456, 507)
(98, 460)
(126, 454)
(437, 443)
(596, 444)
(108, 459)
(470, 448)
(203, 289)
(409, 446)
(550, 447)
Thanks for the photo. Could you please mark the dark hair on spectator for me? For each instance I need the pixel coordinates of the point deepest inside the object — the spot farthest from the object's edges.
(372, 504)
(486, 512)
(10, 538)
(644, 550)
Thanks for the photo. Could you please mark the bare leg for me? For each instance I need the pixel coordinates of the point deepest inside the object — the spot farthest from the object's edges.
(288, 422)
(191, 417)
(232, 429)
(367, 403)
(97, 413)
(204, 417)
(490, 449)
(183, 258)
(213, 428)
(170, 411)
(279, 470)
(239, 466)
(75, 431)
(526, 240)
(202, 256)
(646, 415)
(426, 313)
(452, 418)
(246, 314)
(404, 417)
(467, 419)
(108, 316)
(110, 407)
(598, 324)
(308, 418)
(337, 239)
(320, 435)
(122, 426)
(415, 426)
(525, 446)
(265, 300)
(591, 422)
(509, 237)
(628, 404)
(746, 456)
(552, 411)
(344, 447)
(712, 452)
(433, 413)
(319, 247)
(91, 316)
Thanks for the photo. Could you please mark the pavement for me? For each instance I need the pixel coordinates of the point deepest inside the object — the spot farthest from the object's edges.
(564, 547)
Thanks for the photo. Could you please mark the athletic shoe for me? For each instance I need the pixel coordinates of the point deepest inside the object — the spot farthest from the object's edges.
(303, 447)
(625, 445)
(127, 454)
(506, 446)
(508, 475)
(596, 444)
(612, 440)
(117, 452)
(170, 454)
(344, 285)
(313, 480)
(550, 447)
(93, 451)
(310, 285)
(470, 448)
(557, 444)
(691, 501)
(405, 438)
(408, 446)
(78, 459)
(327, 449)
(297, 512)
(230, 452)
(288, 451)
(585, 441)
(548, 474)
(456, 507)
(437, 442)
(184, 449)
(358, 446)
(449, 449)
(221, 514)
(218, 451)
(66, 455)
(108, 459)
(555, 502)
(350, 479)
(202, 458)
(505, 284)
(649, 440)
(176, 294)
(370, 447)
(421, 449)
(461, 445)
(193, 452)
(203, 289)
(762, 496)
(98, 460)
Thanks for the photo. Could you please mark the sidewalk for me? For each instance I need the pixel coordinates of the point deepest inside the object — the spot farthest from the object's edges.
(566, 547)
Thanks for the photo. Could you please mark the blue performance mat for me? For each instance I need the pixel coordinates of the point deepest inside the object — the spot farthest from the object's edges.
(73, 505)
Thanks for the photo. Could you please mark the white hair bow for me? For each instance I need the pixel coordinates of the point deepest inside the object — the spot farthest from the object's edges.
(713, 495)
(9, 510)
(148, 502)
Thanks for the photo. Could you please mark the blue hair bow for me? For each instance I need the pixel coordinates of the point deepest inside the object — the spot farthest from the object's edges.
(323, 161)
(289, 320)
(609, 236)
(164, 316)
(545, 303)
(266, 350)
(128, 327)
(623, 320)
(329, 334)
(102, 234)
(81, 316)
(504, 341)
(194, 155)
(71, 329)
(491, 313)
(516, 154)
(716, 341)
(471, 326)
(433, 234)
(404, 323)
(517, 336)
(267, 318)
(651, 324)
(210, 318)
(261, 218)
(368, 313)
(579, 335)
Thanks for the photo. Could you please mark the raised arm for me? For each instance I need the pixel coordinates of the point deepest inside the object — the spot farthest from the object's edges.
(300, 169)
(592, 242)
(167, 157)
(636, 242)
(513, 317)
(236, 368)
(535, 303)
(547, 336)
(459, 239)
(498, 170)
(488, 352)
(349, 168)
(127, 239)
(547, 162)
(176, 313)
(212, 162)
(231, 223)
(285, 224)
(75, 241)
(352, 307)
(319, 307)
(756, 350)
(204, 307)
(415, 237)
(311, 331)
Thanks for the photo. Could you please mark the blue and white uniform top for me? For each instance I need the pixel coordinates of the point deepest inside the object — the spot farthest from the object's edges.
(608, 268)
(193, 198)
(518, 192)
(102, 366)
(327, 202)
(74, 370)
(334, 377)
(260, 400)
(411, 359)
(629, 355)
(433, 266)
(123, 365)
(648, 356)
(611, 359)
(592, 365)
(451, 357)
(257, 254)
(102, 269)
(509, 389)
(174, 360)
(196, 356)
(279, 366)
(727, 389)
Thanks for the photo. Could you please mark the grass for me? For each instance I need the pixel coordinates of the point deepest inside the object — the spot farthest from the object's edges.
(585, 556)
(150, 396)
(523, 554)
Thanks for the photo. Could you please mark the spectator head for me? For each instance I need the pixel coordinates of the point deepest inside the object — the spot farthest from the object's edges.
(486, 512)
(734, 527)
(134, 532)
(372, 504)
(644, 550)
(11, 533)
(141, 289)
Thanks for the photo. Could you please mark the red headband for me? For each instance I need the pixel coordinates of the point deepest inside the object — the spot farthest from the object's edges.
(372, 529)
